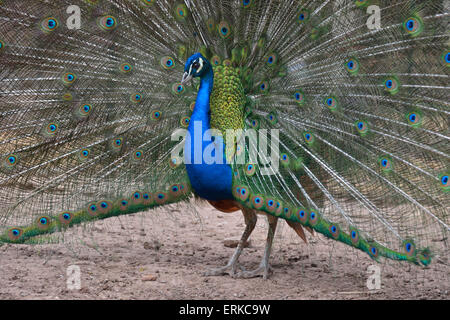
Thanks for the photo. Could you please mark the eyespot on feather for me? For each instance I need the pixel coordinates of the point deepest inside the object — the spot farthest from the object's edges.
(224, 29)
(181, 12)
(43, 223)
(354, 236)
(125, 68)
(413, 26)
(107, 23)
(49, 24)
(65, 218)
(362, 127)
(14, 234)
(302, 215)
(156, 115)
(10, 161)
(313, 218)
(257, 201)
(92, 210)
(167, 63)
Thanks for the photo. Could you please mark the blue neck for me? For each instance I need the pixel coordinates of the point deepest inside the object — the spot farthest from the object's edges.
(209, 174)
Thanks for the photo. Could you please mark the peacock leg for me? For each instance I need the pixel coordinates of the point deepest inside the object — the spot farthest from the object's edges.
(264, 267)
(232, 265)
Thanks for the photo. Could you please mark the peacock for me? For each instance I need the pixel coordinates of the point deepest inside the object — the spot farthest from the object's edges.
(330, 115)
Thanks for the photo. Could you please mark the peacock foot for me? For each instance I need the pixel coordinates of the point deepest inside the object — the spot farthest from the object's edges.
(264, 270)
(230, 268)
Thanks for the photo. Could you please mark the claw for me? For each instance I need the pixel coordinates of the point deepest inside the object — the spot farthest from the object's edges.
(228, 269)
(261, 271)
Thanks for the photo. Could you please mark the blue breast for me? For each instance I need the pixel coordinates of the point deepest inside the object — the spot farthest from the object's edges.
(211, 181)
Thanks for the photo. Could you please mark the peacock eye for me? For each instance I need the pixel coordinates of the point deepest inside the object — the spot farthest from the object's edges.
(196, 65)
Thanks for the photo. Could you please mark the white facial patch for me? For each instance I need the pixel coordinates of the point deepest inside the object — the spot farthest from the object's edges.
(200, 61)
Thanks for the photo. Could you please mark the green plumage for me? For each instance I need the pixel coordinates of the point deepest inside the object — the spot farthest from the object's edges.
(227, 99)
(361, 115)
(227, 104)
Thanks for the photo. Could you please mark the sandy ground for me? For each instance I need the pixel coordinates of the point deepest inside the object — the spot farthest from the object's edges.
(163, 254)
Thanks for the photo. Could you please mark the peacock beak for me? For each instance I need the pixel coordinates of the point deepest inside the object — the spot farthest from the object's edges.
(186, 78)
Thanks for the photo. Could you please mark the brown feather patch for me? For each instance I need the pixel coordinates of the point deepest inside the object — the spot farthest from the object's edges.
(298, 228)
(225, 205)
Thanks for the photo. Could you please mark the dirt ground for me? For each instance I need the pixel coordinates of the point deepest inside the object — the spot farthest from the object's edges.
(162, 254)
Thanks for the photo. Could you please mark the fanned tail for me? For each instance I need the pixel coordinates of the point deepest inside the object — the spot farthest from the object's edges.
(361, 115)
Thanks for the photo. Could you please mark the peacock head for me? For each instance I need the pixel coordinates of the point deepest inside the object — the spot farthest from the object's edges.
(196, 66)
